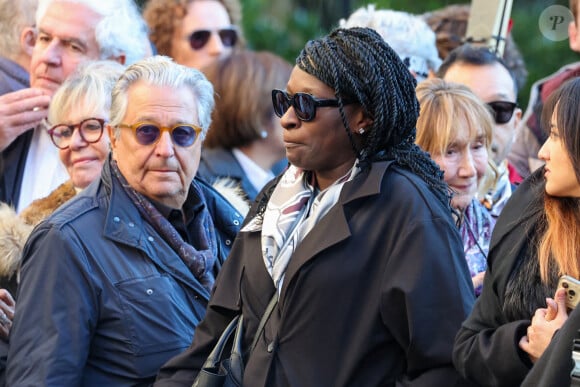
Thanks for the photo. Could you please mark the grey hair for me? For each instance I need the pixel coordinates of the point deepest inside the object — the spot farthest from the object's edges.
(161, 71)
(14, 17)
(87, 90)
(121, 31)
(409, 35)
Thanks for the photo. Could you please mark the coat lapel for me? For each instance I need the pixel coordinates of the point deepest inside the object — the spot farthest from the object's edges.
(334, 227)
(125, 225)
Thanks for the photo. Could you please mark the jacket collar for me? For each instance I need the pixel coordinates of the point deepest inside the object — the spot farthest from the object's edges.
(334, 228)
(124, 224)
(525, 206)
(221, 162)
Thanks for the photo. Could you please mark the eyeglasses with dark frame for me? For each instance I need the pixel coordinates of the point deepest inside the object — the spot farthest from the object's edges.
(502, 111)
(199, 38)
(148, 133)
(90, 130)
(304, 104)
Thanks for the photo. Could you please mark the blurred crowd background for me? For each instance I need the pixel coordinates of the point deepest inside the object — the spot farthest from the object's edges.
(284, 26)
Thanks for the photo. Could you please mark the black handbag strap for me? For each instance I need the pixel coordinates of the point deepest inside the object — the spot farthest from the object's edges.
(215, 355)
(265, 318)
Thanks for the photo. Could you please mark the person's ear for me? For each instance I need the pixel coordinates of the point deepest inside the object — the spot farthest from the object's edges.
(573, 36)
(121, 59)
(362, 124)
(27, 40)
(518, 113)
(112, 139)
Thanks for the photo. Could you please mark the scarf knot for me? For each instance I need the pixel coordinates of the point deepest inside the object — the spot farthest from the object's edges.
(199, 262)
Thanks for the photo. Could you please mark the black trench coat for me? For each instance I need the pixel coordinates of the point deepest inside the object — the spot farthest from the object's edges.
(373, 295)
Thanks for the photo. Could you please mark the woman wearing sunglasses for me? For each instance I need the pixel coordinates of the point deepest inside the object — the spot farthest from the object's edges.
(455, 127)
(355, 240)
(194, 33)
(535, 241)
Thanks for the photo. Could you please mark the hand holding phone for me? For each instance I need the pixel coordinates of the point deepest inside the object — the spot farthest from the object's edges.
(572, 287)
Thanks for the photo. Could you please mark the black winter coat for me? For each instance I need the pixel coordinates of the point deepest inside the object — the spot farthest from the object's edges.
(486, 348)
(372, 296)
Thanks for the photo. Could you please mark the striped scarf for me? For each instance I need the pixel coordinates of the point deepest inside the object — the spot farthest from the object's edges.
(292, 211)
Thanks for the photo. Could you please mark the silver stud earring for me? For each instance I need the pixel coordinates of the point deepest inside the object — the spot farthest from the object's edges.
(263, 134)
(361, 131)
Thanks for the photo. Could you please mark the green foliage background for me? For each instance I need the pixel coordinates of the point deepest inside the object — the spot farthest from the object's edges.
(284, 26)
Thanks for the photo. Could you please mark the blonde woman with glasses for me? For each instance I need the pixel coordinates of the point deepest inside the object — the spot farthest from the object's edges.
(77, 114)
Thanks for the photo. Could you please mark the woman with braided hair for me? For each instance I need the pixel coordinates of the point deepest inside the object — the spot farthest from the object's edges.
(355, 239)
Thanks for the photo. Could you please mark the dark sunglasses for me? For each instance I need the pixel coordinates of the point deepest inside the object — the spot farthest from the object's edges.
(148, 133)
(198, 39)
(502, 110)
(304, 104)
(90, 130)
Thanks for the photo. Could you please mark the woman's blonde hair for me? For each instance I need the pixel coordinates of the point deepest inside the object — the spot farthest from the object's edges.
(444, 104)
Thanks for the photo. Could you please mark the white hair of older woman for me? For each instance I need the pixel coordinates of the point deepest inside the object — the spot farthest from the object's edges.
(409, 35)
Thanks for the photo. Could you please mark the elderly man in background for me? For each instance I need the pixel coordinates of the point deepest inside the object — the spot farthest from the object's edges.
(114, 283)
(68, 32)
(17, 31)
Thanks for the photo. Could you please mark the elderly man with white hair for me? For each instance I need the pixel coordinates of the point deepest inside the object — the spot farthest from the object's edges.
(114, 282)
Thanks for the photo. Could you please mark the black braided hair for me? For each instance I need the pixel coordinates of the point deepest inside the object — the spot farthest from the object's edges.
(360, 66)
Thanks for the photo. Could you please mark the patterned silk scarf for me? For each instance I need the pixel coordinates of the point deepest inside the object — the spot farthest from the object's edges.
(476, 227)
(199, 262)
(292, 211)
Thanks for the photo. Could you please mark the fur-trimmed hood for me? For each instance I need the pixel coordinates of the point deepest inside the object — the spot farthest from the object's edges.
(13, 234)
(15, 229)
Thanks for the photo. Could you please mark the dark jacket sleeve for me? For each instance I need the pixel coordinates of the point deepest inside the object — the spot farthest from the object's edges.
(47, 343)
(555, 365)
(223, 307)
(437, 284)
(486, 347)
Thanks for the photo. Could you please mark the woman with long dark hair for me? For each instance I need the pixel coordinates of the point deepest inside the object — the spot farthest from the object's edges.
(536, 240)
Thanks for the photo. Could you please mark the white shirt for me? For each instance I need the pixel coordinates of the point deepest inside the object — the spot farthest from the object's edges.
(43, 171)
(257, 176)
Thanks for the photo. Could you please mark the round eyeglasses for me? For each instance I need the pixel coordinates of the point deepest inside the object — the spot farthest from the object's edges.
(90, 130)
(199, 38)
(304, 104)
(502, 111)
(148, 133)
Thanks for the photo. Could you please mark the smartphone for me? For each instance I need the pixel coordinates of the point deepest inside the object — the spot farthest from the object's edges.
(572, 286)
